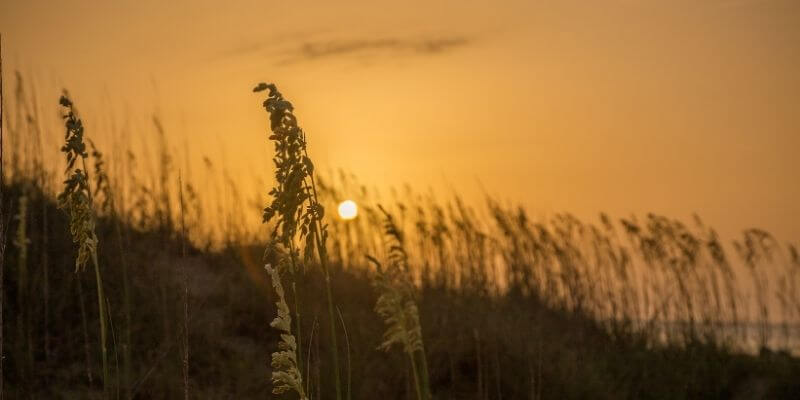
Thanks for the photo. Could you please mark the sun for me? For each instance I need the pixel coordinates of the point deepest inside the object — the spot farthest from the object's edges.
(348, 209)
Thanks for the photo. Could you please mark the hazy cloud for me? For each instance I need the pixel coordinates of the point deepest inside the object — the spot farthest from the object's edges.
(247, 47)
(306, 48)
(309, 51)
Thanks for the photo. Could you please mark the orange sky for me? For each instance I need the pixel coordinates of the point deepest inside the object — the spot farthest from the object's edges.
(619, 106)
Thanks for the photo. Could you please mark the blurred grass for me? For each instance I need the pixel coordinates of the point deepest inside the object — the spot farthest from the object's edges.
(510, 307)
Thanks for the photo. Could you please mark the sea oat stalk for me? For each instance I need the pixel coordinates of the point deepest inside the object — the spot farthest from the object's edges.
(76, 200)
(397, 306)
(294, 200)
(2, 222)
(286, 375)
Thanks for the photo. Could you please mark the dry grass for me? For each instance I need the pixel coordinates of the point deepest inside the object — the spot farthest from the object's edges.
(484, 301)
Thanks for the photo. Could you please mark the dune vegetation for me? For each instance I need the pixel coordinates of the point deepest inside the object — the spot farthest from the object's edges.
(121, 280)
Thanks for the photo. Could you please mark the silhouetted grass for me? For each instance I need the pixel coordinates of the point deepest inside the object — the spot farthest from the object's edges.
(493, 304)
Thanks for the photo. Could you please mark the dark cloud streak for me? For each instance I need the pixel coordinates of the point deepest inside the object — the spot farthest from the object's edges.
(247, 47)
(315, 50)
(305, 49)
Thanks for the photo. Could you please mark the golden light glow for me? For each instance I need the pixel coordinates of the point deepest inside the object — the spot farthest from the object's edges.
(621, 115)
(348, 209)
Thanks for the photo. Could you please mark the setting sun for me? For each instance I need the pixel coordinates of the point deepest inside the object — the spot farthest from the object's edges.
(348, 209)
